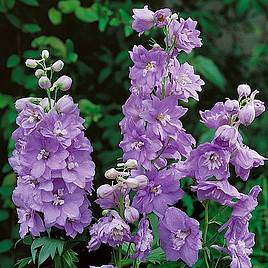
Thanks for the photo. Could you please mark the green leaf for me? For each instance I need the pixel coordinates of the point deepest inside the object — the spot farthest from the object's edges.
(68, 6)
(54, 16)
(6, 5)
(210, 71)
(13, 61)
(115, 22)
(3, 215)
(14, 20)
(5, 245)
(57, 45)
(4, 100)
(188, 203)
(156, 256)
(23, 262)
(86, 14)
(104, 74)
(33, 3)
(49, 248)
(31, 28)
(154, 223)
(242, 6)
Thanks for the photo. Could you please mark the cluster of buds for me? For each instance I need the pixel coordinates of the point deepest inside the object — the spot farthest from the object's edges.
(117, 194)
(45, 73)
(246, 108)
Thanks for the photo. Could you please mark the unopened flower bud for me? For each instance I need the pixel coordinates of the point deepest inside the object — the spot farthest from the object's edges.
(174, 16)
(231, 106)
(111, 174)
(247, 114)
(105, 190)
(131, 214)
(45, 54)
(259, 107)
(57, 66)
(31, 63)
(142, 180)
(22, 103)
(44, 82)
(130, 164)
(226, 135)
(132, 183)
(243, 90)
(63, 83)
(105, 212)
(65, 104)
(39, 72)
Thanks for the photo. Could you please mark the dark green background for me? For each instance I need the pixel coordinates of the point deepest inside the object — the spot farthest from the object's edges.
(93, 39)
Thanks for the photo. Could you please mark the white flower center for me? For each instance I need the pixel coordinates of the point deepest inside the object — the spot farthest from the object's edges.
(72, 165)
(59, 130)
(157, 190)
(183, 80)
(118, 233)
(34, 117)
(212, 160)
(58, 198)
(137, 145)
(150, 66)
(178, 239)
(43, 154)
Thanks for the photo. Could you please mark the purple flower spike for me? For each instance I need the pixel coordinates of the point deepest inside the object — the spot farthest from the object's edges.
(180, 237)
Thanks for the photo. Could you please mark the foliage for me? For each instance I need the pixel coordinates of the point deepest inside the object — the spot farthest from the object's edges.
(94, 39)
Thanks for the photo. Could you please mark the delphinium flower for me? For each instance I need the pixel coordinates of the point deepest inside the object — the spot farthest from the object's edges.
(153, 133)
(52, 159)
(180, 236)
(119, 213)
(238, 237)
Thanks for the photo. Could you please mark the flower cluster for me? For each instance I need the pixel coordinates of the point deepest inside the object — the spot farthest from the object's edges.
(52, 161)
(209, 164)
(114, 227)
(153, 133)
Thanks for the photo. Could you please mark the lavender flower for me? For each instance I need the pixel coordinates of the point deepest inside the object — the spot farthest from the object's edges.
(180, 237)
(184, 35)
(143, 240)
(143, 19)
(220, 191)
(110, 229)
(215, 117)
(206, 161)
(162, 190)
(148, 68)
(244, 159)
(184, 83)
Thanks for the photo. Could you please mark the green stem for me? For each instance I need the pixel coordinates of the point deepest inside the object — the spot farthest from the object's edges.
(49, 98)
(119, 260)
(56, 92)
(205, 234)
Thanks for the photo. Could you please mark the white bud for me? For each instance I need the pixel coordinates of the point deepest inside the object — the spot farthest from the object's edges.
(111, 174)
(243, 90)
(131, 214)
(105, 190)
(142, 180)
(39, 72)
(44, 82)
(57, 66)
(31, 63)
(63, 83)
(174, 16)
(131, 163)
(132, 183)
(45, 54)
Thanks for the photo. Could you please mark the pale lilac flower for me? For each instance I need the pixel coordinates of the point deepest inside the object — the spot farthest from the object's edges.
(162, 190)
(161, 17)
(206, 161)
(143, 19)
(163, 116)
(143, 240)
(110, 229)
(184, 35)
(244, 159)
(140, 146)
(149, 66)
(184, 82)
(226, 136)
(180, 237)
(220, 191)
(215, 117)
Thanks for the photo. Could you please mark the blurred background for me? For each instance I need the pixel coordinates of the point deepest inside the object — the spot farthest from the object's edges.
(93, 39)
